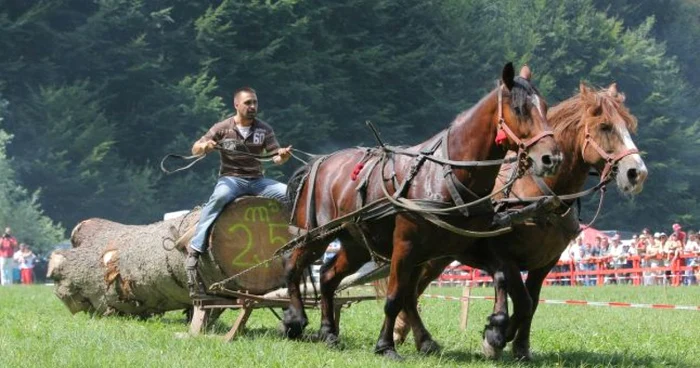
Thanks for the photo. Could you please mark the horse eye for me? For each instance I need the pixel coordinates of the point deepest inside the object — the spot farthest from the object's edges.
(606, 128)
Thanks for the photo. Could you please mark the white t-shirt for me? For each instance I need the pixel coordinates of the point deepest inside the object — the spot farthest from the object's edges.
(244, 130)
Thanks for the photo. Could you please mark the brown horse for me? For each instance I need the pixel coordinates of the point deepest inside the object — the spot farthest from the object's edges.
(593, 129)
(323, 192)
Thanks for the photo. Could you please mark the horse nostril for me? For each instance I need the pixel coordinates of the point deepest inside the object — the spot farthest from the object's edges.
(547, 161)
(632, 175)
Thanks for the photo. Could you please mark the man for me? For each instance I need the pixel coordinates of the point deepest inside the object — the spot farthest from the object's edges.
(238, 174)
(680, 234)
(8, 245)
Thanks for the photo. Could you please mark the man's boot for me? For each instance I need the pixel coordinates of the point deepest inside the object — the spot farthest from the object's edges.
(195, 286)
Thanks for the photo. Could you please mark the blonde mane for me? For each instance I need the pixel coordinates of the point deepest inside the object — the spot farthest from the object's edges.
(571, 114)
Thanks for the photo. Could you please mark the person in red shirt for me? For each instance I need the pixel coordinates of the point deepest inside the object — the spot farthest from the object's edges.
(680, 234)
(8, 245)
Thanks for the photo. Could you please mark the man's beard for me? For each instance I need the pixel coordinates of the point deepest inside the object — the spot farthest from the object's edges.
(251, 114)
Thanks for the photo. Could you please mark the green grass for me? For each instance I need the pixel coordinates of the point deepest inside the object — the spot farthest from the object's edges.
(36, 330)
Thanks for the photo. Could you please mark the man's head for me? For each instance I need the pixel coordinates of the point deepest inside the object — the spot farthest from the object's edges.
(23, 246)
(245, 101)
(677, 227)
(8, 231)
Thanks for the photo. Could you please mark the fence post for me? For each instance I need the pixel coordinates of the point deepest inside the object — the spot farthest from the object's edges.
(464, 315)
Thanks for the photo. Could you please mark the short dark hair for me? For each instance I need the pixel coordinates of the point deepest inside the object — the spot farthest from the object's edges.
(243, 89)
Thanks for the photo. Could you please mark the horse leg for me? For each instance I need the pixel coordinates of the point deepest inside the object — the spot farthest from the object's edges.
(295, 320)
(494, 332)
(348, 260)
(429, 271)
(402, 264)
(521, 343)
(424, 341)
(522, 303)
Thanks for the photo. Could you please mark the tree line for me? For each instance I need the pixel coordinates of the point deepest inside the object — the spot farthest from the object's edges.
(94, 94)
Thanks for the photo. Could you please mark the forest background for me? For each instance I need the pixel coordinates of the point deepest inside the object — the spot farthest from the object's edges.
(94, 93)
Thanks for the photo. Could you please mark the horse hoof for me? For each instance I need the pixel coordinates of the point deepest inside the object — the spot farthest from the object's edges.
(332, 341)
(292, 330)
(392, 355)
(522, 354)
(490, 352)
(430, 347)
(494, 337)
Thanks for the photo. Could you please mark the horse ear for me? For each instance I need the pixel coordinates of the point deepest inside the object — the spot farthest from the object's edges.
(612, 90)
(582, 88)
(525, 72)
(508, 75)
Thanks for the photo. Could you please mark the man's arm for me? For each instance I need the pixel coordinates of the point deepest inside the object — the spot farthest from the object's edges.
(283, 154)
(203, 146)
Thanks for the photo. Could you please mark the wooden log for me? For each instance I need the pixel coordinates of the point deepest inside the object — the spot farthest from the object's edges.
(139, 269)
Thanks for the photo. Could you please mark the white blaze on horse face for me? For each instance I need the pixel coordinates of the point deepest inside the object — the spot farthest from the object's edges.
(629, 145)
(536, 102)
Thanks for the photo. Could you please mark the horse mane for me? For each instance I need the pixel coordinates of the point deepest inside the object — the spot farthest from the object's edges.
(519, 99)
(567, 115)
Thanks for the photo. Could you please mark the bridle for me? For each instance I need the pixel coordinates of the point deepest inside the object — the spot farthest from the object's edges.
(611, 161)
(523, 146)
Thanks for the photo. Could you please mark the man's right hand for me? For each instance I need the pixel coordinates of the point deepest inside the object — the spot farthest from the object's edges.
(202, 148)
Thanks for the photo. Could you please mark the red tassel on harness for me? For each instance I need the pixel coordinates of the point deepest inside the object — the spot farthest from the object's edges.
(501, 137)
(356, 171)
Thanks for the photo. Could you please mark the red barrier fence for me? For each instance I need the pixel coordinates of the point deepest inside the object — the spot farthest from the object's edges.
(683, 269)
(575, 302)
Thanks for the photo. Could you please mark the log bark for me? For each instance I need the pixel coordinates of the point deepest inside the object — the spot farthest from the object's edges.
(122, 269)
(139, 269)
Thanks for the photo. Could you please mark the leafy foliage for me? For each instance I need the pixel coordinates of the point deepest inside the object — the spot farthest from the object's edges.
(100, 91)
(19, 209)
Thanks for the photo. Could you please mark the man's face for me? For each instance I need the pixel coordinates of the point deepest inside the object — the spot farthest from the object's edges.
(246, 105)
(8, 230)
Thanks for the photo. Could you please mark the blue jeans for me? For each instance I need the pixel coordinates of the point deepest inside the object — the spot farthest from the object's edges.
(227, 189)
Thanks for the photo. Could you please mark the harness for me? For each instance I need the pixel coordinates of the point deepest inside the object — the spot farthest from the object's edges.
(606, 176)
(463, 201)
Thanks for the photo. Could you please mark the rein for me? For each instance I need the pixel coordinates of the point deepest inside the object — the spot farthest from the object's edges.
(220, 147)
(611, 162)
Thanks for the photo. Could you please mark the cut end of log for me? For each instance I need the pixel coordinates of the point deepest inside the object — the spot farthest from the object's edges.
(55, 262)
(73, 240)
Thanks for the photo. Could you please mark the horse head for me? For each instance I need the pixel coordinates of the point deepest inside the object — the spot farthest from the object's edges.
(522, 122)
(606, 141)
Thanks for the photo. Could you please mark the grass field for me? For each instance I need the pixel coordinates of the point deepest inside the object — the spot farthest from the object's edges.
(36, 330)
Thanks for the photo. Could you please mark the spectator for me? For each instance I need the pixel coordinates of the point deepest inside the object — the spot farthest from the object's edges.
(25, 258)
(643, 242)
(564, 262)
(654, 254)
(617, 260)
(333, 248)
(679, 233)
(692, 247)
(8, 245)
(604, 247)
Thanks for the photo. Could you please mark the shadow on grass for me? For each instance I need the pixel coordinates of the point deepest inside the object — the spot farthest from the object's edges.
(581, 358)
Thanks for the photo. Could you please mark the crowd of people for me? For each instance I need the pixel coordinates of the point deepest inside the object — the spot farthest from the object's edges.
(16, 260)
(656, 252)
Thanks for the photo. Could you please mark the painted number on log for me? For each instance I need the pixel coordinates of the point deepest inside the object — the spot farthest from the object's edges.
(258, 217)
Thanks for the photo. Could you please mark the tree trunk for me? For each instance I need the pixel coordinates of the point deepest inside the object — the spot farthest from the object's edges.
(139, 269)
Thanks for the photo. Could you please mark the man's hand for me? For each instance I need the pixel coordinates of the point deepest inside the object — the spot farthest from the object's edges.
(203, 147)
(283, 154)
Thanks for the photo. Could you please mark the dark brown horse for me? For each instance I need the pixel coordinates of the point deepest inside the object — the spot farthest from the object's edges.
(429, 172)
(593, 129)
